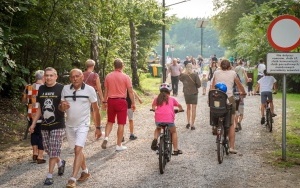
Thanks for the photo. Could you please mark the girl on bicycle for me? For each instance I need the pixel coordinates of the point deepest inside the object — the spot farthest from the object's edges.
(163, 105)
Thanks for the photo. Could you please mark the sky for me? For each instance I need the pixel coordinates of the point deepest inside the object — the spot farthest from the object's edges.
(190, 9)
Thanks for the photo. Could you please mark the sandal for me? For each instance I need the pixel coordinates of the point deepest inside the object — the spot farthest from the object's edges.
(193, 128)
(187, 126)
(40, 161)
(34, 157)
(177, 152)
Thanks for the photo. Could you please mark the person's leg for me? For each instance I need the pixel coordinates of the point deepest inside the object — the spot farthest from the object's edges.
(131, 127)
(173, 84)
(78, 161)
(176, 80)
(193, 114)
(188, 113)
(120, 133)
(232, 132)
(174, 137)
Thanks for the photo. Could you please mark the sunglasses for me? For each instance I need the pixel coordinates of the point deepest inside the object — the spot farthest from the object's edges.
(74, 96)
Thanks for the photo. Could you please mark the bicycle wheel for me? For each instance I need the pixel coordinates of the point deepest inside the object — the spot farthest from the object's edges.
(269, 120)
(220, 148)
(169, 146)
(162, 157)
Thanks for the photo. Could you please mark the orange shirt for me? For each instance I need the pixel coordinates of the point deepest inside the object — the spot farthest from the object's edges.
(116, 84)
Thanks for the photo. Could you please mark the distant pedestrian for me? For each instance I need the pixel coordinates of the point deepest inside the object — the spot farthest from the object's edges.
(29, 97)
(130, 113)
(91, 78)
(191, 82)
(204, 81)
(260, 69)
(250, 86)
(241, 71)
(116, 85)
(53, 125)
(77, 99)
(175, 70)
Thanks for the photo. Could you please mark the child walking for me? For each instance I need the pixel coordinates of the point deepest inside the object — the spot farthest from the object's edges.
(163, 105)
(204, 81)
(250, 86)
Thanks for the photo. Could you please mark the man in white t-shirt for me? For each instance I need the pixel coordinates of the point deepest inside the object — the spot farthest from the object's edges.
(266, 85)
(76, 100)
(260, 69)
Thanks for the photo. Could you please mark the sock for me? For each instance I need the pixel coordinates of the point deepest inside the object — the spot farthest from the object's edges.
(106, 138)
(74, 179)
(49, 175)
(86, 171)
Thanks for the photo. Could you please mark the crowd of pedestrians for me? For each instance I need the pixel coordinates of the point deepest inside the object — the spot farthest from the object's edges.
(55, 109)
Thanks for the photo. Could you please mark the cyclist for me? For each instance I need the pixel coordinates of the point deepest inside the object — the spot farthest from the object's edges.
(266, 85)
(229, 77)
(163, 105)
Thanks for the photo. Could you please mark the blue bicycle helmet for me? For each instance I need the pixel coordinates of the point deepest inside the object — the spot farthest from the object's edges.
(221, 86)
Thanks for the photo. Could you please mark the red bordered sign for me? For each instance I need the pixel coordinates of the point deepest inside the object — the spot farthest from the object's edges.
(284, 33)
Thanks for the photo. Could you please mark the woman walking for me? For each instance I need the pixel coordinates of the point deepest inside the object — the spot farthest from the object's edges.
(191, 83)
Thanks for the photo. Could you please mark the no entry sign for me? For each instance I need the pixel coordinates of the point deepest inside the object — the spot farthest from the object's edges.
(284, 33)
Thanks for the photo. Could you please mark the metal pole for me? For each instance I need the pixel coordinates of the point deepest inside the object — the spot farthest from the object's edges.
(284, 119)
(163, 45)
(201, 39)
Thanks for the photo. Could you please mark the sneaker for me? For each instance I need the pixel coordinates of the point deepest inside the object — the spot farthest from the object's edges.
(232, 151)
(48, 181)
(187, 126)
(71, 184)
(132, 137)
(104, 144)
(154, 145)
(84, 176)
(61, 169)
(273, 115)
(193, 128)
(120, 148)
(263, 120)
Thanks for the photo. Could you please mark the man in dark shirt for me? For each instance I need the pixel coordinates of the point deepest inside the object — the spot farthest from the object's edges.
(187, 61)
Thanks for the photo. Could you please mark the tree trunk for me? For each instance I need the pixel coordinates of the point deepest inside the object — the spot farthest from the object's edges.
(133, 58)
(94, 50)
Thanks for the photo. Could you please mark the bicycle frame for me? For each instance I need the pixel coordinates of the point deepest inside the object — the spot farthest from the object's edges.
(269, 117)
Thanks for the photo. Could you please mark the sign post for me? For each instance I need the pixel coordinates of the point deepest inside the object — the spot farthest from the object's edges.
(284, 35)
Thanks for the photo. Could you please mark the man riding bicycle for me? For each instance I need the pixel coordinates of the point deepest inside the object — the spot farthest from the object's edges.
(266, 84)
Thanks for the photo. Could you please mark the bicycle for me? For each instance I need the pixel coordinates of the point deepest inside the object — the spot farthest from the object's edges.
(220, 117)
(164, 145)
(269, 115)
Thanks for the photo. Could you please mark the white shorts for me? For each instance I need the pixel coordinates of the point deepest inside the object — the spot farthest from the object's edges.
(76, 136)
(130, 114)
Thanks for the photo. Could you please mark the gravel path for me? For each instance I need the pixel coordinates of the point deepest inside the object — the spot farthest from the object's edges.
(196, 167)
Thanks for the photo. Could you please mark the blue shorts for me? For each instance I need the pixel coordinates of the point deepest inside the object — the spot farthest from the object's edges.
(266, 95)
(169, 124)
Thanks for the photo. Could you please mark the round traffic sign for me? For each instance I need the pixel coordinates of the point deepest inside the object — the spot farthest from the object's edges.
(284, 33)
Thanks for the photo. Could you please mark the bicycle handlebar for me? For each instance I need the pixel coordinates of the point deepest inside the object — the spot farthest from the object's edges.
(175, 110)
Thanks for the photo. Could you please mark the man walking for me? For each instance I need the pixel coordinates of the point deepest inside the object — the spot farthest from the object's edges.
(175, 70)
(116, 85)
(77, 99)
(53, 125)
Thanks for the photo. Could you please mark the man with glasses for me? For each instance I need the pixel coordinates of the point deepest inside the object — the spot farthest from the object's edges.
(53, 123)
(77, 99)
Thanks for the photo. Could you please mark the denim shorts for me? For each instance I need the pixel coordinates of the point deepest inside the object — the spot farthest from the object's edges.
(169, 124)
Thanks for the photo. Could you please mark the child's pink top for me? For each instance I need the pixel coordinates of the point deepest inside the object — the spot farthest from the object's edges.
(165, 113)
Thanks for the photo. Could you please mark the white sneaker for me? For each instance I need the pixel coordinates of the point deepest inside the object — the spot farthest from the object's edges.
(120, 148)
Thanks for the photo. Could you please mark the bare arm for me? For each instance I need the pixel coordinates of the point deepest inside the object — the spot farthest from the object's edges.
(239, 85)
(137, 96)
(99, 90)
(35, 119)
(131, 96)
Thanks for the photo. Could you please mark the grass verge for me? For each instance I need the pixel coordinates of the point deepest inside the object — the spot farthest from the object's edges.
(292, 133)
